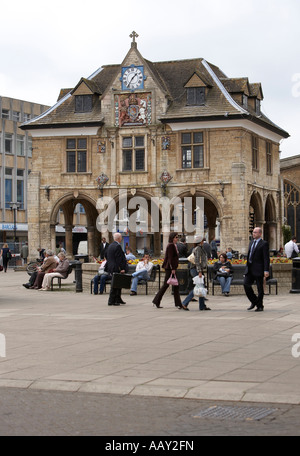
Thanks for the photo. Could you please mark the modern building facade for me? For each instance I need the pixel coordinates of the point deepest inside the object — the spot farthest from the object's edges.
(135, 135)
(15, 166)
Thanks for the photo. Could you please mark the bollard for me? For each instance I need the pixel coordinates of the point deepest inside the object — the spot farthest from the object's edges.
(296, 276)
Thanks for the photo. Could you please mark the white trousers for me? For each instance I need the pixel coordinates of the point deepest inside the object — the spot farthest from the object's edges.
(47, 278)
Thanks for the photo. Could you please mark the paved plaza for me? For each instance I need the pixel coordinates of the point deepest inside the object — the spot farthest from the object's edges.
(67, 342)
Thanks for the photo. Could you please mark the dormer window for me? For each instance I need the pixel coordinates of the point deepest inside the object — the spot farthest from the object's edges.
(245, 101)
(257, 106)
(195, 96)
(83, 103)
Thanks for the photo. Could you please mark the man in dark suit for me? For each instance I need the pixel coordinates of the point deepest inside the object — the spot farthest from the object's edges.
(103, 248)
(258, 267)
(116, 262)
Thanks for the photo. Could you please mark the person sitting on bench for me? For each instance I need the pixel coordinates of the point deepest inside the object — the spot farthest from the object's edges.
(142, 272)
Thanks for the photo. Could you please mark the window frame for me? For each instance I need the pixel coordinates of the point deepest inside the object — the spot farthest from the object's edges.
(20, 145)
(255, 153)
(78, 153)
(83, 103)
(269, 158)
(131, 154)
(8, 139)
(195, 96)
(190, 147)
(5, 114)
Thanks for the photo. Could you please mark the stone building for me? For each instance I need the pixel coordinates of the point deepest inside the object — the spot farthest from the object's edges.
(141, 131)
(15, 166)
(290, 173)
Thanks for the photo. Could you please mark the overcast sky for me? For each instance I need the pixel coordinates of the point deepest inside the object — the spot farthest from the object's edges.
(46, 46)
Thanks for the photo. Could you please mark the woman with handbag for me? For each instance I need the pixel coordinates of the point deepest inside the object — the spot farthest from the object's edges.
(223, 273)
(170, 265)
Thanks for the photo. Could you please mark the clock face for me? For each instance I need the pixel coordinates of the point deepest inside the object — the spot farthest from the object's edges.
(132, 78)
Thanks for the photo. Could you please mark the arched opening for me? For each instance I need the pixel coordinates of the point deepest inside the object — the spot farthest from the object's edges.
(255, 213)
(73, 219)
(270, 226)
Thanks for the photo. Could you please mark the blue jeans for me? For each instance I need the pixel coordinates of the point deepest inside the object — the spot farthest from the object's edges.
(136, 276)
(190, 297)
(225, 283)
(102, 279)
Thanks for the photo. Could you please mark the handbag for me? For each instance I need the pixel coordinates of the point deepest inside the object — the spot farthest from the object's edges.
(191, 258)
(173, 280)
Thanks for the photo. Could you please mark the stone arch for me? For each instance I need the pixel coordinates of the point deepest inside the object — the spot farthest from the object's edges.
(67, 204)
(256, 213)
(213, 212)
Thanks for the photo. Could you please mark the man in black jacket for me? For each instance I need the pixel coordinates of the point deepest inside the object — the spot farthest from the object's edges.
(258, 267)
(103, 248)
(116, 262)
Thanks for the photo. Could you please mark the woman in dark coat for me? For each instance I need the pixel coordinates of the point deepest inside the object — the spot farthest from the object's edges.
(6, 256)
(224, 272)
(170, 265)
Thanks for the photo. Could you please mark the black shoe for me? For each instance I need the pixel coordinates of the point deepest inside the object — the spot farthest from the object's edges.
(26, 285)
(205, 308)
(133, 293)
(252, 306)
(260, 309)
(120, 302)
(185, 308)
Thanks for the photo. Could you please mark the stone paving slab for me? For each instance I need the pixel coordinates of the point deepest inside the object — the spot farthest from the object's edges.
(68, 341)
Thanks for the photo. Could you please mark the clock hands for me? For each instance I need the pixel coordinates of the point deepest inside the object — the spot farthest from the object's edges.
(132, 79)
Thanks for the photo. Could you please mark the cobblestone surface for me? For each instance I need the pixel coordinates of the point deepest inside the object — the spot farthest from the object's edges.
(52, 413)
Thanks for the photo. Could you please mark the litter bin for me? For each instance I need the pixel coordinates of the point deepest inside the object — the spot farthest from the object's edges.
(82, 258)
(77, 266)
(183, 276)
(296, 276)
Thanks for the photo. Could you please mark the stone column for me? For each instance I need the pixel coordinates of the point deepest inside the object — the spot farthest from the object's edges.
(52, 237)
(69, 240)
(91, 241)
(33, 213)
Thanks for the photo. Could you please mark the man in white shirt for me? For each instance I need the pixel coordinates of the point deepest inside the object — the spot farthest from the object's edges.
(142, 271)
(291, 247)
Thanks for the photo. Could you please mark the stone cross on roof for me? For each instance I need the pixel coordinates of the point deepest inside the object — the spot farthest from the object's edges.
(133, 35)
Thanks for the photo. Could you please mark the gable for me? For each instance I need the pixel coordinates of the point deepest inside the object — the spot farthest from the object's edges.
(195, 81)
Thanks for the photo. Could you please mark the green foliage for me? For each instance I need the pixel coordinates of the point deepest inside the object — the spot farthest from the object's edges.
(287, 233)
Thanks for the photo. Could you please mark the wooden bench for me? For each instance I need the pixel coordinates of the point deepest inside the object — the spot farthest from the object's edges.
(59, 279)
(238, 277)
(131, 270)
